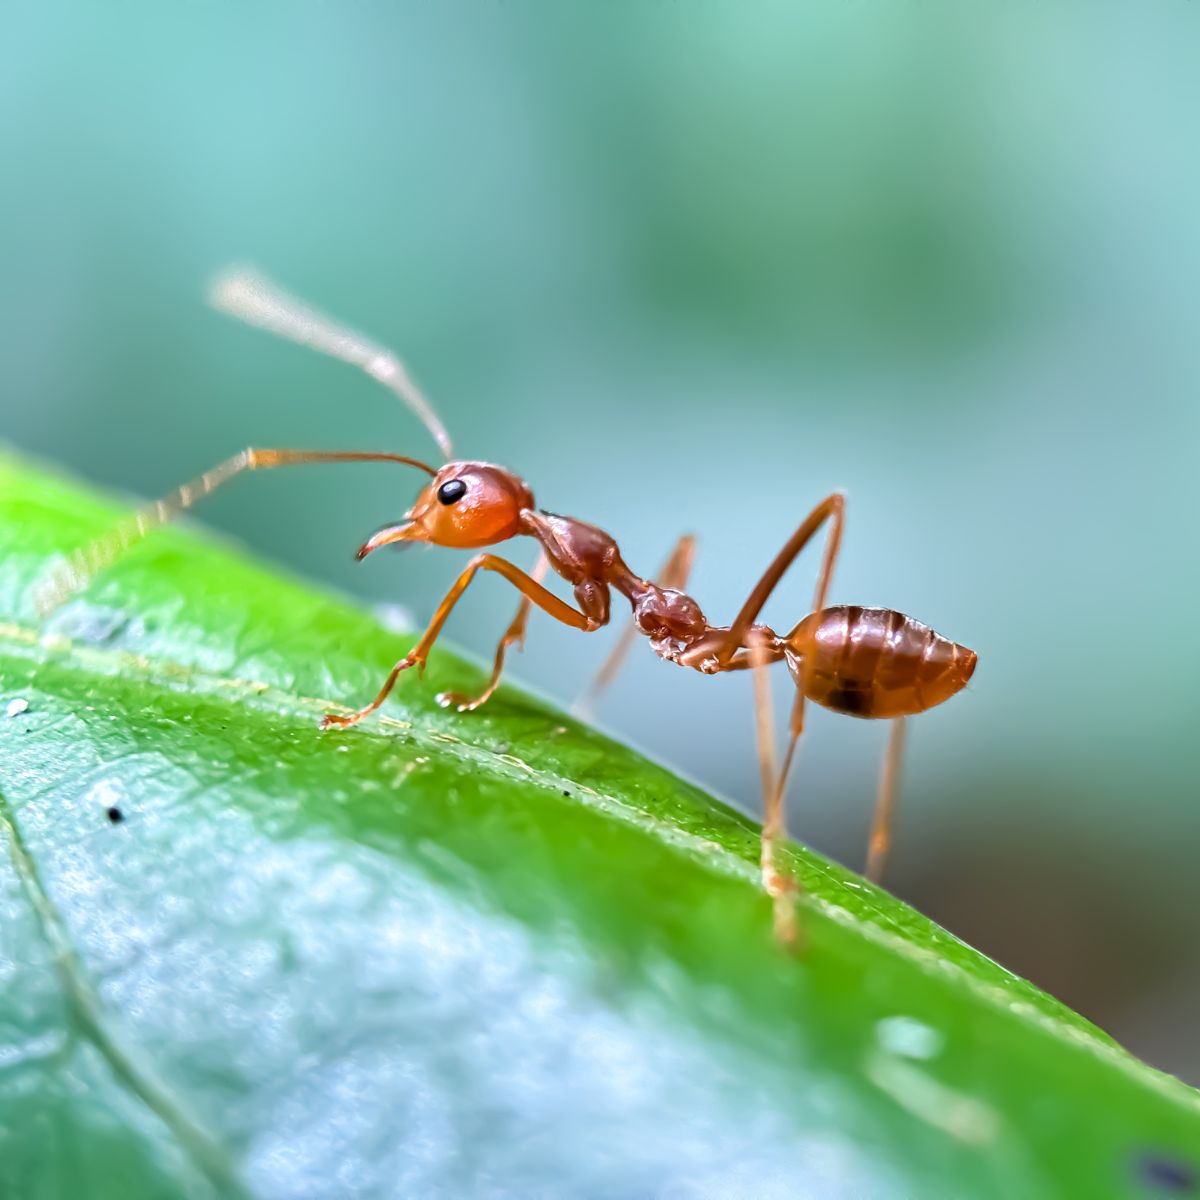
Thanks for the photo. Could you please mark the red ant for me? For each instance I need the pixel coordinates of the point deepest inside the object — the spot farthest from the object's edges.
(866, 662)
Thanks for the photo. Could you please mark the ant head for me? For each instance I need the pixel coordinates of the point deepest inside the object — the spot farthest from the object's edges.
(468, 504)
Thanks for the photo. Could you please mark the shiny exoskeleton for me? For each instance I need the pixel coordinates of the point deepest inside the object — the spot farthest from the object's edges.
(875, 662)
(865, 662)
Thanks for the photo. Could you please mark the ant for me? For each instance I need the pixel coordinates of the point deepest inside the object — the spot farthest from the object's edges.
(865, 662)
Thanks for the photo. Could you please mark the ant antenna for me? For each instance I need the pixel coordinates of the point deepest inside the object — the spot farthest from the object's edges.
(242, 292)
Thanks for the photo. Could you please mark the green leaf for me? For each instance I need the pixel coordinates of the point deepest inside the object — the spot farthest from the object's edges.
(442, 955)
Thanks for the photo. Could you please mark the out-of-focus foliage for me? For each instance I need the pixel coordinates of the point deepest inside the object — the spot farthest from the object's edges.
(438, 954)
(690, 267)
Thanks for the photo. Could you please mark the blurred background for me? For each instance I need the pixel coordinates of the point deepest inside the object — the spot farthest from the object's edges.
(690, 267)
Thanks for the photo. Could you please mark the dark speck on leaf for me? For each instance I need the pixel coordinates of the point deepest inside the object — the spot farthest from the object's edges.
(567, 794)
(1169, 1175)
(115, 815)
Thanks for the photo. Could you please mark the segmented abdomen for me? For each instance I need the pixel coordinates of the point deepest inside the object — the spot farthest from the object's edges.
(874, 662)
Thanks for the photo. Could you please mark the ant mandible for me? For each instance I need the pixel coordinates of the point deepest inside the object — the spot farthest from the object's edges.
(865, 662)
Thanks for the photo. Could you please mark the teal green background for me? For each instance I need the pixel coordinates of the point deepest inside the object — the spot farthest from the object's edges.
(689, 268)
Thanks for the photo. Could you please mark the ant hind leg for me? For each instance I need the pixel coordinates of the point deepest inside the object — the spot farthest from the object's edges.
(885, 804)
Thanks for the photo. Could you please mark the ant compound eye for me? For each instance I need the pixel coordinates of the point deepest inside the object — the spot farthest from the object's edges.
(451, 491)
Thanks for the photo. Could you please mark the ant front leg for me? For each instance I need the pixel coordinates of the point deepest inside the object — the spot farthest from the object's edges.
(533, 591)
(513, 635)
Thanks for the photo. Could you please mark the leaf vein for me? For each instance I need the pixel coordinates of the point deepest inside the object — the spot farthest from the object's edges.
(199, 1146)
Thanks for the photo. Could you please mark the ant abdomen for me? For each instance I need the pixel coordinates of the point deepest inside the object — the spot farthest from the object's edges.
(875, 662)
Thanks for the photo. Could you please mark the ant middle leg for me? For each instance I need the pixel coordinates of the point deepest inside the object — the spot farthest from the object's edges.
(778, 883)
(745, 647)
(513, 635)
(529, 587)
(832, 509)
(672, 575)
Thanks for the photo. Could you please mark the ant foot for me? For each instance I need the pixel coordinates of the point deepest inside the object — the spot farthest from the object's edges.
(776, 884)
(783, 890)
(337, 721)
(458, 702)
